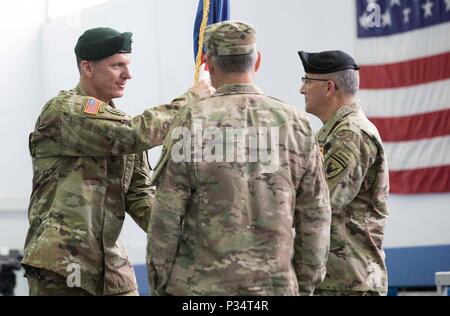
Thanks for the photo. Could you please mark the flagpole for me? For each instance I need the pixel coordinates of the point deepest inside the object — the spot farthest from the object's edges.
(199, 61)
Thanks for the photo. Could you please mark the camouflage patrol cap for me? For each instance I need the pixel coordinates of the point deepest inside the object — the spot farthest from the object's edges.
(230, 38)
(102, 42)
(327, 62)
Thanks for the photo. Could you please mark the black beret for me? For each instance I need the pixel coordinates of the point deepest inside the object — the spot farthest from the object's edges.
(102, 42)
(327, 62)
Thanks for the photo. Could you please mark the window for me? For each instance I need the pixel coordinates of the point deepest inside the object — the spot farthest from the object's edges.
(58, 8)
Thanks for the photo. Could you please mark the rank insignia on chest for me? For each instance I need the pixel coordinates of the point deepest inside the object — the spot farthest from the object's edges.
(92, 106)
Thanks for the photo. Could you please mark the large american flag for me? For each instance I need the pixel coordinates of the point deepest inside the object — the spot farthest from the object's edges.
(405, 82)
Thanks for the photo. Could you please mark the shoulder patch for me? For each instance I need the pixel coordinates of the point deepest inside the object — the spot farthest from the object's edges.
(336, 164)
(92, 106)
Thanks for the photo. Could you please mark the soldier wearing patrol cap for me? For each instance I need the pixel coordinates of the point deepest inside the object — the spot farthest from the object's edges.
(223, 225)
(90, 169)
(357, 174)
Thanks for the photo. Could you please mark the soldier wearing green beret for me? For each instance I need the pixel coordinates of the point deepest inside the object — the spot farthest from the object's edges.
(90, 169)
(357, 174)
(222, 225)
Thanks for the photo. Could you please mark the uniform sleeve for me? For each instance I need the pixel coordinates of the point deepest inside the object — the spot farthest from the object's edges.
(312, 220)
(348, 158)
(106, 133)
(140, 195)
(172, 196)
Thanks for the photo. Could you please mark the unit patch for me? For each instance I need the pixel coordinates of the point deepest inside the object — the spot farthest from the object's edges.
(336, 164)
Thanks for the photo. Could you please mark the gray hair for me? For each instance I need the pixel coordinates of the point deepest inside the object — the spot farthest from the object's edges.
(347, 81)
(235, 63)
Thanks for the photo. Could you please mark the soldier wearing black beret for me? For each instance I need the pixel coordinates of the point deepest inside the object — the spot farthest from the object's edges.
(357, 175)
(103, 57)
(327, 62)
(90, 170)
(102, 42)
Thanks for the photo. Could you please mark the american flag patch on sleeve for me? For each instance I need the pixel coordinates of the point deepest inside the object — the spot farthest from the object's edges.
(92, 106)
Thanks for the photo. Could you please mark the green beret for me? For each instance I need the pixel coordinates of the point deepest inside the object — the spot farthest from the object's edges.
(102, 42)
(327, 62)
(230, 38)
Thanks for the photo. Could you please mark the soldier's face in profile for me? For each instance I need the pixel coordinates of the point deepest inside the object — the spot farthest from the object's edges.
(110, 75)
(314, 92)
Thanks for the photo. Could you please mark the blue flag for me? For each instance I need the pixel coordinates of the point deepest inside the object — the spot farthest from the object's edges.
(219, 11)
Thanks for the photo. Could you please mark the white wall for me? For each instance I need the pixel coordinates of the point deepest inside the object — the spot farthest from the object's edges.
(163, 68)
(21, 94)
(420, 220)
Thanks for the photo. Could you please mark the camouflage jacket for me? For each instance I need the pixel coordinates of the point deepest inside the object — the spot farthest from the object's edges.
(224, 227)
(358, 179)
(83, 184)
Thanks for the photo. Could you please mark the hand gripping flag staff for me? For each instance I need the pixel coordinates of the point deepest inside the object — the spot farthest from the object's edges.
(209, 12)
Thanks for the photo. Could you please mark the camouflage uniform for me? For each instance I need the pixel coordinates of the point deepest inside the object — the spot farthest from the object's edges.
(319, 292)
(46, 283)
(225, 228)
(90, 167)
(222, 225)
(358, 179)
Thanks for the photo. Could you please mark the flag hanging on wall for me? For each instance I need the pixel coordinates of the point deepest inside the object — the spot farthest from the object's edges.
(219, 10)
(403, 48)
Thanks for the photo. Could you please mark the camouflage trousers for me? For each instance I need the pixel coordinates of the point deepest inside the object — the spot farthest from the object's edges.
(347, 293)
(52, 288)
(52, 284)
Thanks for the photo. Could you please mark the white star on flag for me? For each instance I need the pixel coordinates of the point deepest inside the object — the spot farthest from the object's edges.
(406, 13)
(386, 17)
(364, 21)
(395, 2)
(447, 3)
(427, 7)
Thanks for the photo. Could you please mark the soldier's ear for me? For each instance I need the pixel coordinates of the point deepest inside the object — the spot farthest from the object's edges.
(258, 62)
(331, 88)
(87, 68)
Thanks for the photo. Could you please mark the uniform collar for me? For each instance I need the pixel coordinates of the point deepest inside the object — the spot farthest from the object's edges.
(329, 126)
(80, 91)
(238, 88)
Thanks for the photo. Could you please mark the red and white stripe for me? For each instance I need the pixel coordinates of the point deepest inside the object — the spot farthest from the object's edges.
(405, 91)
